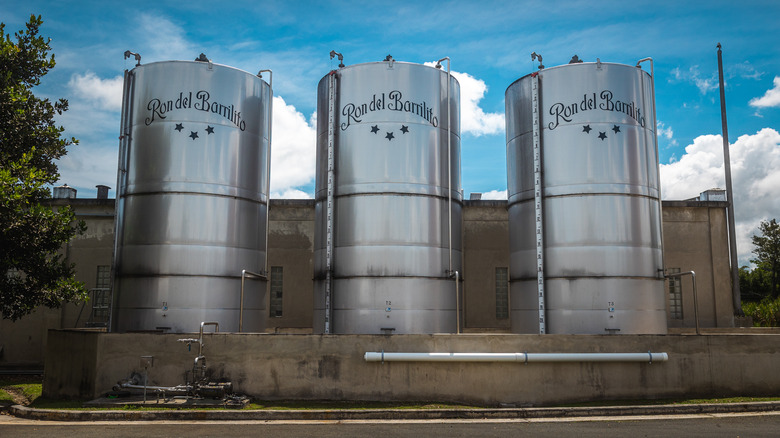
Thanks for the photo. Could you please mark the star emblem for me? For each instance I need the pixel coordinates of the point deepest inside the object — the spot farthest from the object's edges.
(404, 129)
(193, 135)
(389, 136)
(586, 129)
(616, 128)
(210, 130)
(179, 127)
(374, 129)
(602, 135)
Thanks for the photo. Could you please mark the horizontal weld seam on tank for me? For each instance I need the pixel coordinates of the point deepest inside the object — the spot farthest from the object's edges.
(348, 277)
(546, 277)
(581, 194)
(260, 199)
(412, 195)
(130, 275)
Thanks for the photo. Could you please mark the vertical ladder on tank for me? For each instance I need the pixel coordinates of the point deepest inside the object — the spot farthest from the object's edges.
(538, 201)
(329, 205)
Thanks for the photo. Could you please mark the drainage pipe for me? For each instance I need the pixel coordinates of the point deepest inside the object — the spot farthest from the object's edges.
(515, 357)
(244, 274)
(695, 295)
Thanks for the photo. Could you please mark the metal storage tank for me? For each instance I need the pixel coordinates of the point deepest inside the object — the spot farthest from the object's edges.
(388, 224)
(192, 197)
(592, 198)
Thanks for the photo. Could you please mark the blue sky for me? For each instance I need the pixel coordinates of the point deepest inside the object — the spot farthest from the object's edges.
(489, 41)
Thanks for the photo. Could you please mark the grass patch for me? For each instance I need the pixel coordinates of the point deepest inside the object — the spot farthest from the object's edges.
(350, 405)
(686, 401)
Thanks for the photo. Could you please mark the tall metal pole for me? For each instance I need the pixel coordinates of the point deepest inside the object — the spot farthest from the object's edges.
(735, 293)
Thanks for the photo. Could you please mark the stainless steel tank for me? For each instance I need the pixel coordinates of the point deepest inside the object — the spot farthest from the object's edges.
(601, 208)
(192, 197)
(392, 190)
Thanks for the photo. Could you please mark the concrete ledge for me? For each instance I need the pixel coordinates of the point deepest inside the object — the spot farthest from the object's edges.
(390, 414)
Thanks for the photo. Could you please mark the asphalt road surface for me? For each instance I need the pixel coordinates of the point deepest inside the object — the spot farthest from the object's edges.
(716, 425)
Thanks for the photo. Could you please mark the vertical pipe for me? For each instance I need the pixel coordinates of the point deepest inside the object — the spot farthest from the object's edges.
(330, 206)
(662, 270)
(735, 292)
(121, 178)
(267, 169)
(538, 200)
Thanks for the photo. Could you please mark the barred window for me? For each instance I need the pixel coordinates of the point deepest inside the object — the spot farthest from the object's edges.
(502, 293)
(675, 295)
(277, 273)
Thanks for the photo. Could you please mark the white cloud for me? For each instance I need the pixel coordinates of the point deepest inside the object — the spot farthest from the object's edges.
(293, 150)
(105, 93)
(667, 133)
(694, 76)
(291, 194)
(473, 119)
(770, 99)
(495, 194)
(755, 160)
(163, 40)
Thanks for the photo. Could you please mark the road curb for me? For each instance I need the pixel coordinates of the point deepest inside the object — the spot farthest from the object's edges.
(388, 414)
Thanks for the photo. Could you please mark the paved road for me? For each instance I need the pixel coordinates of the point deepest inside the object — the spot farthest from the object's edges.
(715, 425)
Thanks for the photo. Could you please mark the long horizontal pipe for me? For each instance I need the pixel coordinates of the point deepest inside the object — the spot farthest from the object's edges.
(516, 357)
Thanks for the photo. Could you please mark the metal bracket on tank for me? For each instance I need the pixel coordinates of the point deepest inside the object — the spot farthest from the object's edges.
(136, 55)
(389, 58)
(535, 55)
(334, 53)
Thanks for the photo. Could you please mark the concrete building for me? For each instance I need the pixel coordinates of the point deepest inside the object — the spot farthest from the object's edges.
(695, 239)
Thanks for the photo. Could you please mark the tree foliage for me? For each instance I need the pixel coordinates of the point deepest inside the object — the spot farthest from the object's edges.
(767, 251)
(32, 273)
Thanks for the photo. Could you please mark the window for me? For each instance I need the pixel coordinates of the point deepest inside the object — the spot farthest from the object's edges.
(675, 295)
(502, 293)
(277, 274)
(103, 276)
(101, 295)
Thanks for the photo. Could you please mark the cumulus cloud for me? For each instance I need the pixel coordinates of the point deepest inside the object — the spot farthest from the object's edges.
(291, 194)
(106, 94)
(473, 119)
(693, 75)
(162, 38)
(755, 160)
(770, 99)
(496, 195)
(293, 150)
(667, 133)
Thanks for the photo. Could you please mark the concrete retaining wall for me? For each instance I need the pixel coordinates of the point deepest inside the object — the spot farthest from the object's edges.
(282, 366)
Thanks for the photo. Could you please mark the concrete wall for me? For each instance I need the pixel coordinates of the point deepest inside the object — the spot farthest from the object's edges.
(22, 343)
(486, 239)
(291, 246)
(696, 239)
(331, 367)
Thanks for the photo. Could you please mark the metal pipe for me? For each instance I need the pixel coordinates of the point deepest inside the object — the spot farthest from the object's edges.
(515, 357)
(695, 295)
(267, 173)
(736, 294)
(329, 202)
(657, 161)
(449, 159)
(200, 338)
(125, 140)
(244, 274)
(457, 301)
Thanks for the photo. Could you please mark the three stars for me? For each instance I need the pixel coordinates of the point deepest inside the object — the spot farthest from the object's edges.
(389, 135)
(602, 134)
(194, 134)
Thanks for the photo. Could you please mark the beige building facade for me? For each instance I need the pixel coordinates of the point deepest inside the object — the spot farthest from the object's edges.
(695, 239)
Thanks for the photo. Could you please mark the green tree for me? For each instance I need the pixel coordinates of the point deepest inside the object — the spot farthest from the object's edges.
(767, 251)
(32, 272)
(754, 284)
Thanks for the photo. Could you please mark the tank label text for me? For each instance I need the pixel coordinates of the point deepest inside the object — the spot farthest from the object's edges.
(392, 101)
(201, 101)
(603, 101)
